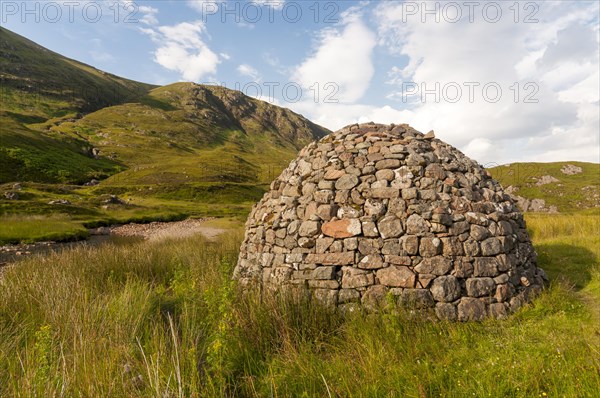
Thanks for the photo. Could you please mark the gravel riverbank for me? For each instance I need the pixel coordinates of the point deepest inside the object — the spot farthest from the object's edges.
(154, 231)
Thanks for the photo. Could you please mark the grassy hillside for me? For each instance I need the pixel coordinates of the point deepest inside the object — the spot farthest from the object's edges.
(27, 155)
(568, 192)
(165, 319)
(40, 86)
(183, 150)
(168, 152)
(39, 83)
(179, 133)
(185, 133)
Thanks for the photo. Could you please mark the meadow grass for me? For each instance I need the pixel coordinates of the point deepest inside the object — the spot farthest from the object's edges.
(27, 229)
(166, 320)
(32, 217)
(570, 193)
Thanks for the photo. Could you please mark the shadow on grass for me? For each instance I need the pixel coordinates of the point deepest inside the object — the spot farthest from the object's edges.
(569, 263)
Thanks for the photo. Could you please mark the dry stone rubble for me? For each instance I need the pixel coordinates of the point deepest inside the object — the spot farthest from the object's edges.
(373, 213)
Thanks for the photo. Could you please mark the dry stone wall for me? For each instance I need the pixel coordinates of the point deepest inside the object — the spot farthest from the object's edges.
(373, 213)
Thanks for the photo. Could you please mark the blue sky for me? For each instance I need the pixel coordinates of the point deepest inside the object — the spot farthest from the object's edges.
(503, 81)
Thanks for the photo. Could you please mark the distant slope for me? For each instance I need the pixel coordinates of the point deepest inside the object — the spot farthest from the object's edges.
(38, 85)
(570, 186)
(185, 132)
(28, 155)
(64, 121)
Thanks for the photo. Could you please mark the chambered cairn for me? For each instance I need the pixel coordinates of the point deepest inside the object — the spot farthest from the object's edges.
(375, 214)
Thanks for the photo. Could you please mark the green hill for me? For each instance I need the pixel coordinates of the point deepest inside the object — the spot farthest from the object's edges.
(174, 134)
(569, 186)
(169, 152)
(186, 133)
(40, 86)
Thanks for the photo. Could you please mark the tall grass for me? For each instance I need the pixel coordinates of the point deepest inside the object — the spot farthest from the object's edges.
(166, 320)
(564, 226)
(568, 246)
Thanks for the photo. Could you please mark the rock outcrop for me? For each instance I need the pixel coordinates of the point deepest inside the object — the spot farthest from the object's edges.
(374, 214)
(570, 169)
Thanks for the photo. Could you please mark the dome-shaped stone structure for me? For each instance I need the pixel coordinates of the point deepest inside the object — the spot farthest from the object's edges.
(373, 212)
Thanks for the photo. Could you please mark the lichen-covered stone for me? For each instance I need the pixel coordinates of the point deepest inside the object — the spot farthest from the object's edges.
(390, 227)
(445, 289)
(354, 277)
(342, 228)
(491, 247)
(479, 287)
(485, 266)
(417, 298)
(471, 309)
(410, 244)
(430, 246)
(498, 310)
(375, 297)
(343, 258)
(348, 296)
(371, 261)
(415, 225)
(347, 181)
(373, 212)
(309, 228)
(446, 311)
(438, 265)
(397, 276)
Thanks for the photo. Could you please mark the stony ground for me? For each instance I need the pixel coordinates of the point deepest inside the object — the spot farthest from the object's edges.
(153, 232)
(167, 230)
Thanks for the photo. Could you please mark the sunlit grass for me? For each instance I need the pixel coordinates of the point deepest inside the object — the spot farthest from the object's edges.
(14, 229)
(570, 193)
(564, 226)
(165, 319)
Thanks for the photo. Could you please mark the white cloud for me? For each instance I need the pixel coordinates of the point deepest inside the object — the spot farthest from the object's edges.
(148, 15)
(101, 56)
(202, 5)
(558, 56)
(275, 4)
(479, 148)
(343, 57)
(249, 71)
(335, 116)
(216, 6)
(182, 49)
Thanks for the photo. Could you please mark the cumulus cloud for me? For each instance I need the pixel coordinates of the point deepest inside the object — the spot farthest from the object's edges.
(337, 115)
(547, 71)
(249, 71)
(275, 4)
(342, 57)
(212, 6)
(548, 106)
(181, 48)
(148, 15)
